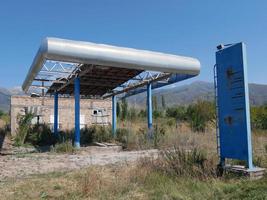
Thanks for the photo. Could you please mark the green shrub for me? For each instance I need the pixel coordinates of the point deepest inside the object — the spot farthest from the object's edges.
(95, 134)
(64, 136)
(23, 129)
(40, 135)
(259, 117)
(102, 134)
(178, 113)
(65, 147)
(150, 138)
(200, 114)
(5, 117)
(171, 122)
(157, 114)
(86, 135)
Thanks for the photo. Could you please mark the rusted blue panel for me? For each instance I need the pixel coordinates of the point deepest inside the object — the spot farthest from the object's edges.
(233, 104)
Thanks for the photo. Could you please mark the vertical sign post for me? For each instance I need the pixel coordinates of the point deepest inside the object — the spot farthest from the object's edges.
(233, 104)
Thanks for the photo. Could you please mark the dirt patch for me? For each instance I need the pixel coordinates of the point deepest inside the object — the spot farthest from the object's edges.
(23, 164)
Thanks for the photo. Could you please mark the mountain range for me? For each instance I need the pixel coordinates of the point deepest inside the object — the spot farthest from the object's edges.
(5, 95)
(198, 90)
(172, 95)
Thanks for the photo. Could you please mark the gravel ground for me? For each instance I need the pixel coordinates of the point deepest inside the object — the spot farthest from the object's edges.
(17, 165)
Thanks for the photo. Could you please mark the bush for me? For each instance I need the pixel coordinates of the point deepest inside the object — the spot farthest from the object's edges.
(259, 117)
(23, 129)
(40, 135)
(95, 134)
(184, 163)
(65, 147)
(157, 114)
(200, 114)
(86, 135)
(179, 113)
(171, 122)
(150, 138)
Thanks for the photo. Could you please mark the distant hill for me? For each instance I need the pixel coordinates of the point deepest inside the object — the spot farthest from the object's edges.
(179, 95)
(199, 90)
(5, 95)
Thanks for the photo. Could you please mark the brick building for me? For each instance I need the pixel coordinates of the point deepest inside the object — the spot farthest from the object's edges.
(92, 111)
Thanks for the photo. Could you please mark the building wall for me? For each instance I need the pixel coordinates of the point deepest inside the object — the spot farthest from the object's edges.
(90, 111)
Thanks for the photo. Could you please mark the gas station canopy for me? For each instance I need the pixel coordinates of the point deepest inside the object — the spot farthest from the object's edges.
(101, 68)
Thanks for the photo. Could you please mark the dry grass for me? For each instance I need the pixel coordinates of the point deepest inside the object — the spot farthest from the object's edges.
(181, 135)
(142, 181)
(113, 182)
(177, 174)
(175, 135)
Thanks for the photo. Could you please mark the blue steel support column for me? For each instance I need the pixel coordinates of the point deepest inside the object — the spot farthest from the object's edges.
(77, 112)
(149, 106)
(114, 115)
(56, 114)
(249, 141)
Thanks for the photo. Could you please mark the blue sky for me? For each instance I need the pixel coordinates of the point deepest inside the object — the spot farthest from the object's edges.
(184, 27)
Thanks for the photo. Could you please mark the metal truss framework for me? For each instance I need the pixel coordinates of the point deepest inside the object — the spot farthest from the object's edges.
(62, 73)
(52, 72)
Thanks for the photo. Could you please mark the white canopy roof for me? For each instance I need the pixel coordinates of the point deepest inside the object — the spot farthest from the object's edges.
(107, 55)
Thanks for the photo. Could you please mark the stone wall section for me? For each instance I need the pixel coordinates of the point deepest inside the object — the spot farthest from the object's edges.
(44, 107)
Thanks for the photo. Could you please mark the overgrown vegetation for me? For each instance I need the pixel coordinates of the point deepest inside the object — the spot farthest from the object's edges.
(41, 135)
(186, 163)
(148, 179)
(24, 126)
(95, 134)
(259, 117)
(4, 116)
(64, 147)
(198, 115)
(183, 169)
